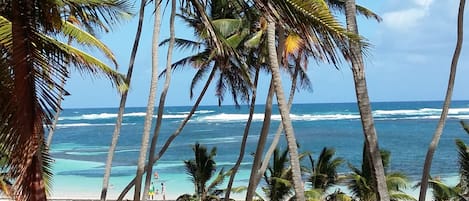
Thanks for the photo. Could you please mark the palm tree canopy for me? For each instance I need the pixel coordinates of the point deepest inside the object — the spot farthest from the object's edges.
(36, 60)
(324, 171)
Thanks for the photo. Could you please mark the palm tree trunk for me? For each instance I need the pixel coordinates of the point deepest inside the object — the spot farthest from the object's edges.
(120, 115)
(167, 82)
(242, 149)
(260, 144)
(173, 135)
(284, 113)
(444, 113)
(371, 138)
(151, 104)
(270, 151)
(27, 117)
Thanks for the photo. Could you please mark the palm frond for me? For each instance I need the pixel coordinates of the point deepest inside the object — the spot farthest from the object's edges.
(340, 6)
(401, 197)
(465, 126)
(184, 44)
(463, 160)
(86, 62)
(101, 14)
(87, 39)
(217, 181)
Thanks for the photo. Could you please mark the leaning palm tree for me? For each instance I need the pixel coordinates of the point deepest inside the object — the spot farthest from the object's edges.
(150, 105)
(326, 30)
(363, 101)
(446, 104)
(159, 120)
(36, 60)
(122, 103)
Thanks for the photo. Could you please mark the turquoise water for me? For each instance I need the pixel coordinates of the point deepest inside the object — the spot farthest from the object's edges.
(82, 138)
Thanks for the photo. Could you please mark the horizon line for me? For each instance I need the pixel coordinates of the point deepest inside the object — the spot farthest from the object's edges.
(299, 103)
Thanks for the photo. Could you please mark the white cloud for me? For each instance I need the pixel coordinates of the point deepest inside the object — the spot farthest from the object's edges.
(423, 3)
(403, 20)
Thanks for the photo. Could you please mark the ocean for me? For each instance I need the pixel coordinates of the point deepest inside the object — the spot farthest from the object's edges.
(81, 141)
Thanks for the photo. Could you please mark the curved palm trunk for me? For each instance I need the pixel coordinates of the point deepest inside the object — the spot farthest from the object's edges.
(27, 114)
(284, 113)
(120, 115)
(159, 119)
(242, 149)
(371, 139)
(173, 136)
(270, 151)
(151, 104)
(446, 105)
(251, 191)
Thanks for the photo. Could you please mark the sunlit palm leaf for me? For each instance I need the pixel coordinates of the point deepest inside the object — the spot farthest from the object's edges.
(86, 62)
(86, 39)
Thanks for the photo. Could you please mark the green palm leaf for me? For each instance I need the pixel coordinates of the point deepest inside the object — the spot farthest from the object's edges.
(86, 62)
(86, 39)
(340, 6)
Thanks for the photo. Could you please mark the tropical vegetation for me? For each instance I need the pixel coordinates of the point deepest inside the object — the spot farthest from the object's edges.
(201, 170)
(234, 42)
(360, 181)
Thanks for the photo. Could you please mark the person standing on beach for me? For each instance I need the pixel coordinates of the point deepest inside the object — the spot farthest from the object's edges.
(163, 191)
(151, 192)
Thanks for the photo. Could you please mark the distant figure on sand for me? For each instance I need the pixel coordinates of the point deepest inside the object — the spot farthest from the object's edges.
(151, 192)
(163, 191)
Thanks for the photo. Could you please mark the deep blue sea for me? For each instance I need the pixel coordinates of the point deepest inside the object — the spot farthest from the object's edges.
(82, 138)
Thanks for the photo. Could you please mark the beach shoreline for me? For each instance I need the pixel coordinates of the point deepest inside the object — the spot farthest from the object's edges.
(66, 195)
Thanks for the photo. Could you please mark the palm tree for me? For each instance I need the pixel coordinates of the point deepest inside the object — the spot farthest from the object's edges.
(150, 105)
(444, 113)
(278, 177)
(326, 30)
(443, 192)
(284, 112)
(201, 169)
(122, 103)
(159, 119)
(361, 91)
(365, 107)
(36, 59)
(90, 25)
(360, 181)
(173, 136)
(324, 171)
(294, 47)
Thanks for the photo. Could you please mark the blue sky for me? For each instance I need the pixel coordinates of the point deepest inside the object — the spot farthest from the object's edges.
(409, 60)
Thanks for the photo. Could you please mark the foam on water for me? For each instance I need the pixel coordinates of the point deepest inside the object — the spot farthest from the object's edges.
(88, 125)
(114, 115)
(276, 117)
(419, 112)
